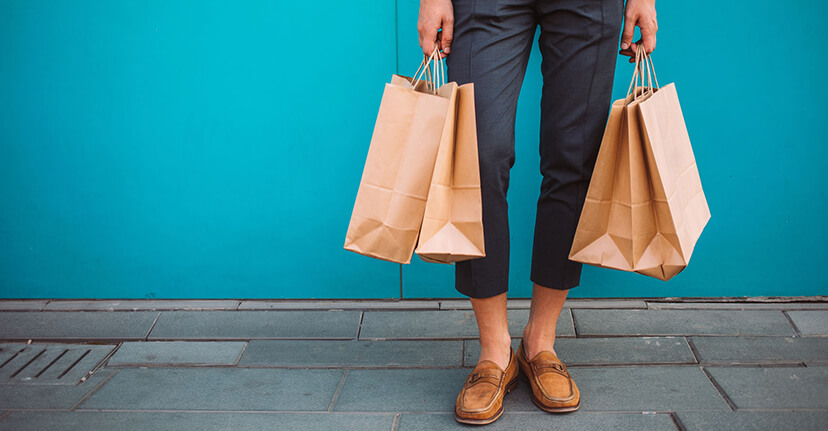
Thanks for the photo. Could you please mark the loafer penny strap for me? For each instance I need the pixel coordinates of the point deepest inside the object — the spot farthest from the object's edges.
(546, 367)
(483, 376)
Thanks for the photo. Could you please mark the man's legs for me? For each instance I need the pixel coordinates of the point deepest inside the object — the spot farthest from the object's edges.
(579, 43)
(492, 43)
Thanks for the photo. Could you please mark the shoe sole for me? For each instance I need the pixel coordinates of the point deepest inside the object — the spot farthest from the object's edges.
(509, 388)
(540, 405)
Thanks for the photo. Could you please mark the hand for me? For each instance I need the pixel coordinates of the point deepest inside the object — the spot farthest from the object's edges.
(436, 14)
(643, 14)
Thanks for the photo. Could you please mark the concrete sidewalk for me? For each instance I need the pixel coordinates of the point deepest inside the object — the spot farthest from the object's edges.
(641, 364)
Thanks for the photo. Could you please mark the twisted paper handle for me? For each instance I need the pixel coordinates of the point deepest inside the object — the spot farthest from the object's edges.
(642, 62)
(436, 77)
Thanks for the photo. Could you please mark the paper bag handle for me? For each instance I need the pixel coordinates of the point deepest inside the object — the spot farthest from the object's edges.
(642, 62)
(436, 77)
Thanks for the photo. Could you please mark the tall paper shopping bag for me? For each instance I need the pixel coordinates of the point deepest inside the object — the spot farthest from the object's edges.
(391, 198)
(645, 208)
(452, 228)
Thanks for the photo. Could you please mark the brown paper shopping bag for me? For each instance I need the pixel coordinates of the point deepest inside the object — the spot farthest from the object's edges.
(391, 198)
(452, 228)
(645, 208)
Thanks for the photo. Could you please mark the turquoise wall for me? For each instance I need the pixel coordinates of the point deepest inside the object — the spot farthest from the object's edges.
(209, 149)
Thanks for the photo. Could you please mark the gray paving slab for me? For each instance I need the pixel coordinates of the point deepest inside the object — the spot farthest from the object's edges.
(226, 389)
(653, 388)
(774, 387)
(681, 322)
(738, 305)
(754, 420)
(810, 322)
(338, 305)
(162, 353)
(608, 351)
(176, 421)
(142, 304)
(444, 324)
(81, 325)
(353, 353)
(23, 304)
(407, 390)
(220, 325)
(49, 363)
(755, 350)
(577, 421)
(49, 396)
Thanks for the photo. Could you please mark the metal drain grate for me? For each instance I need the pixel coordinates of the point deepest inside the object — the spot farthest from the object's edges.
(49, 364)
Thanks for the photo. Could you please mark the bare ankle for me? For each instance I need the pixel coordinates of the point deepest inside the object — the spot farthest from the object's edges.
(499, 353)
(534, 343)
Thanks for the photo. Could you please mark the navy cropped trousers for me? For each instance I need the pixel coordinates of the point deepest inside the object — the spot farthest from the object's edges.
(579, 42)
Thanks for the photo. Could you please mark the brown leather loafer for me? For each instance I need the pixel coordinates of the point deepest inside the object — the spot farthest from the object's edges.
(480, 401)
(553, 389)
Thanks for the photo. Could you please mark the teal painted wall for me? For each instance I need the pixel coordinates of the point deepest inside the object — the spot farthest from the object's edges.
(209, 149)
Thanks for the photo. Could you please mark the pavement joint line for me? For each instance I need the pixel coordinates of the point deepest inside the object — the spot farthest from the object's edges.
(103, 362)
(395, 425)
(110, 340)
(677, 422)
(791, 322)
(575, 365)
(71, 340)
(693, 350)
(95, 389)
(721, 308)
(719, 389)
(750, 364)
(359, 325)
(786, 409)
(788, 365)
(240, 338)
(404, 412)
(253, 412)
(676, 335)
(241, 353)
(574, 326)
(332, 308)
(338, 390)
(152, 326)
(463, 353)
(729, 299)
(754, 365)
(331, 367)
(377, 303)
